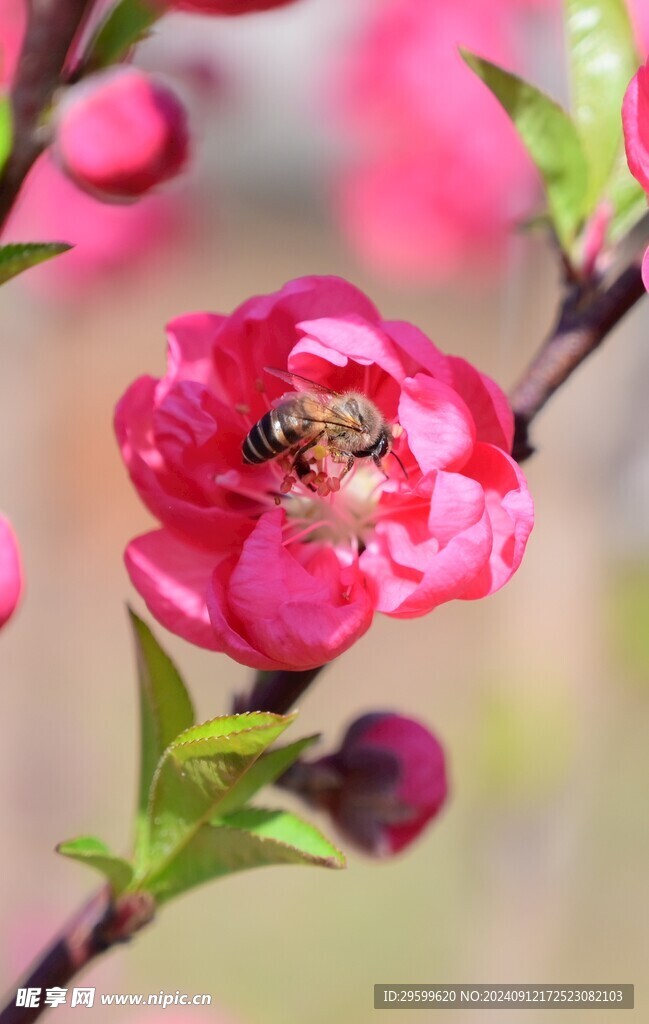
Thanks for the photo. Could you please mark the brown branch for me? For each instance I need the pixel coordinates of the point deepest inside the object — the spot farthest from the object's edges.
(589, 312)
(52, 26)
(100, 924)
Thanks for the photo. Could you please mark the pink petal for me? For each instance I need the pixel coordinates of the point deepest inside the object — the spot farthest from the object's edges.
(440, 429)
(11, 577)
(174, 499)
(190, 348)
(490, 409)
(352, 337)
(173, 579)
(299, 614)
(421, 352)
(635, 121)
(228, 629)
(511, 513)
(409, 575)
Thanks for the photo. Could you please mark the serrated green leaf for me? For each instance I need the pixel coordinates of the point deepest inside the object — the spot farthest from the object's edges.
(264, 772)
(126, 24)
(165, 711)
(6, 130)
(603, 59)
(248, 839)
(19, 256)
(550, 137)
(91, 851)
(196, 773)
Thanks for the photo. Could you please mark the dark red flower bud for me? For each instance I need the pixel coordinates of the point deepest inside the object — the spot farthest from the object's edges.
(383, 786)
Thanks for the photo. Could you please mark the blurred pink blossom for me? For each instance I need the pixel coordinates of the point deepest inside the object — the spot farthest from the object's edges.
(639, 10)
(119, 133)
(11, 577)
(440, 177)
(228, 7)
(290, 580)
(13, 19)
(107, 238)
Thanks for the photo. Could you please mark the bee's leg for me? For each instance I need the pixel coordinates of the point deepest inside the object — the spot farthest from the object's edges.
(300, 465)
(376, 459)
(347, 457)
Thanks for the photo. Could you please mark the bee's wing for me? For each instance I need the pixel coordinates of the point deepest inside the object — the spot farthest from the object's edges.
(301, 383)
(321, 409)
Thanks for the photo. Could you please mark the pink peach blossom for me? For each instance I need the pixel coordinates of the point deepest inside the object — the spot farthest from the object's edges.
(120, 133)
(439, 177)
(635, 120)
(11, 577)
(290, 580)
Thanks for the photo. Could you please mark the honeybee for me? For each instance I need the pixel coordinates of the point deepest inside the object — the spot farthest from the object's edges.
(347, 425)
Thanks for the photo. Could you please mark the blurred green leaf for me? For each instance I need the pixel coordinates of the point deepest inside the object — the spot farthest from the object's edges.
(627, 197)
(196, 773)
(20, 256)
(126, 24)
(6, 130)
(263, 772)
(550, 137)
(525, 743)
(91, 851)
(629, 619)
(165, 711)
(603, 59)
(249, 838)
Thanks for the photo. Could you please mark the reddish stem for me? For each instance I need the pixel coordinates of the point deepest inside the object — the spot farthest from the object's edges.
(100, 924)
(52, 26)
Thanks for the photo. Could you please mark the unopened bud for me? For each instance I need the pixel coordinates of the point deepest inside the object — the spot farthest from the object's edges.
(120, 133)
(228, 7)
(383, 786)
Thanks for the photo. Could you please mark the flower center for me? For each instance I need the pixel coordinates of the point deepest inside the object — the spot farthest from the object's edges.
(337, 515)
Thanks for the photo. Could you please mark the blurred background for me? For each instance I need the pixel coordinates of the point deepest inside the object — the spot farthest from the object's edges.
(318, 150)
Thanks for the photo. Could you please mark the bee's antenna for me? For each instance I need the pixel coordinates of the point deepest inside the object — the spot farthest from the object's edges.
(403, 468)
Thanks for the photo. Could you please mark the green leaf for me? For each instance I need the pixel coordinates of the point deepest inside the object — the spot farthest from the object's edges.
(550, 138)
(247, 839)
(196, 773)
(21, 256)
(264, 772)
(91, 851)
(603, 59)
(165, 711)
(6, 130)
(126, 24)
(627, 197)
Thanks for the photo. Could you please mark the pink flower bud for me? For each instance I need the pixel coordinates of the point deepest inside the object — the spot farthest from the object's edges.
(228, 7)
(121, 133)
(11, 577)
(383, 786)
(635, 119)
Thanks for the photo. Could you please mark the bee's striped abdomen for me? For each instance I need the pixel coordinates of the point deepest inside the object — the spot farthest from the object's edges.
(273, 433)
